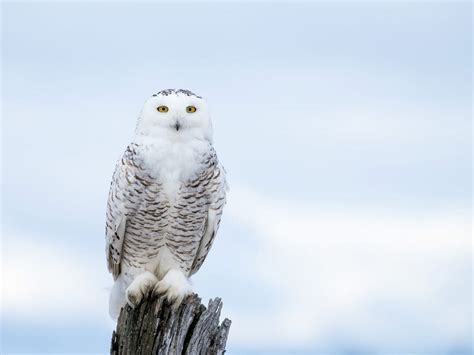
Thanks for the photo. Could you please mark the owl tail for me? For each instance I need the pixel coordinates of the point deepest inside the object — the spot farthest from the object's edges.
(117, 298)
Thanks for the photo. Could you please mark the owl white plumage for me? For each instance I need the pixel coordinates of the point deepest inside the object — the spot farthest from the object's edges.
(165, 202)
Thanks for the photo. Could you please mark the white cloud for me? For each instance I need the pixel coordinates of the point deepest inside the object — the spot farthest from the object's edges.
(380, 280)
(41, 280)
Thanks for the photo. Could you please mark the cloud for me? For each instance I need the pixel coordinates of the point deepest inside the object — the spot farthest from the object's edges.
(45, 281)
(355, 279)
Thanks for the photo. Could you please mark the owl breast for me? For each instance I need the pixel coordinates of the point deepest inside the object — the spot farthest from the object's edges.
(166, 228)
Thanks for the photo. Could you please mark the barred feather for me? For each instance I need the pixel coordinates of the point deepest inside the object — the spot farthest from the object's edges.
(142, 218)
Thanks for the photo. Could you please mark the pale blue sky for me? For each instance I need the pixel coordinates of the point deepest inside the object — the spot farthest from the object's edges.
(345, 128)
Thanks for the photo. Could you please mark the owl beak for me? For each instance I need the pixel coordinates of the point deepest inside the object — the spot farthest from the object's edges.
(177, 125)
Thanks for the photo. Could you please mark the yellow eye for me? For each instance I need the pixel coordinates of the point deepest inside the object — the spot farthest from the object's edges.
(190, 109)
(162, 108)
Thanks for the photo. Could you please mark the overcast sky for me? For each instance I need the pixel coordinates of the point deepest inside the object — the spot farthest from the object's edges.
(345, 129)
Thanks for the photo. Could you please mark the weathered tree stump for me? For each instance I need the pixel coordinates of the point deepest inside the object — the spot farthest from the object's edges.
(155, 328)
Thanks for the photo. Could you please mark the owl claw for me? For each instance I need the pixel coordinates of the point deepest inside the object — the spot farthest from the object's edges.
(159, 289)
(139, 288)
(175, 286)
(133, 298)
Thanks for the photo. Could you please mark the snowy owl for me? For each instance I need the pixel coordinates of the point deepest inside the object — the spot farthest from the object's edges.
(165, 201)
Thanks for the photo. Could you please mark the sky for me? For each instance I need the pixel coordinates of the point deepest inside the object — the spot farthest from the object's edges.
(345, 129)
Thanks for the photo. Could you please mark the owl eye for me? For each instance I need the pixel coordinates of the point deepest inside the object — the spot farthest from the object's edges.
(190, 109)
(162, 108)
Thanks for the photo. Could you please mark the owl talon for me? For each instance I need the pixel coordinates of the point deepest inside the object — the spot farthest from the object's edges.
(158, 290)
(133, 298)
(139, 288)
(175, 286)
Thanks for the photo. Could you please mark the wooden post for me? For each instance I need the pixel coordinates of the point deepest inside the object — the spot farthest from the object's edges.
(153, 327)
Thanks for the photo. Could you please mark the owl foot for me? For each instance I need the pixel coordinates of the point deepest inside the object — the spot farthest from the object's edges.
(139, 288)
(175, 286)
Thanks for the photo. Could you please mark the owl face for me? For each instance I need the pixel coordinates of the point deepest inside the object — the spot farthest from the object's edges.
(176, 114)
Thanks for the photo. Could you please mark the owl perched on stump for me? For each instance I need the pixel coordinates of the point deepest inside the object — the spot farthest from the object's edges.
(165, 202)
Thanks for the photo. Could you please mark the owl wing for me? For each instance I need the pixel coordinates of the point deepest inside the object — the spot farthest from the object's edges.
(216, 186)
(125, 196)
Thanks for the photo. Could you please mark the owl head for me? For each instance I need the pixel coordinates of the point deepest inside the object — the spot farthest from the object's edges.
(176, 114)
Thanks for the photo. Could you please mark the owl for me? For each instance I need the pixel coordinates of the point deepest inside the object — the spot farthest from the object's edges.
(165, 201)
